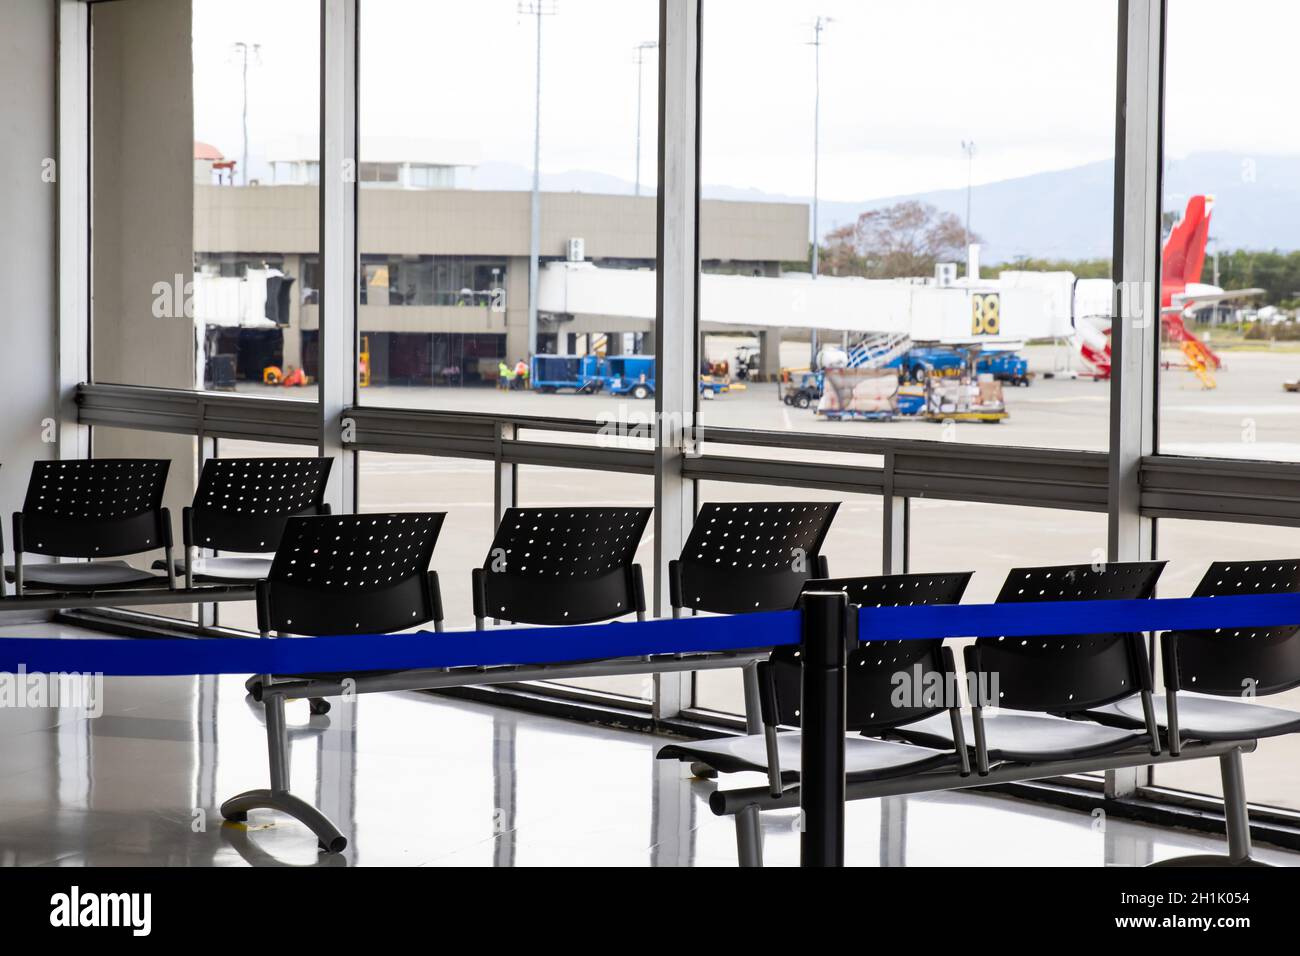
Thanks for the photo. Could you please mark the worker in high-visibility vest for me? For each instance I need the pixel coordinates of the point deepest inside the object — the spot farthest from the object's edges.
(504, 375)
(521, 374)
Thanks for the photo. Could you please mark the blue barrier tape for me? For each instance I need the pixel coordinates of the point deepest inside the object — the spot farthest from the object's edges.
(1077, 617)
(386, 652)
(691, 635)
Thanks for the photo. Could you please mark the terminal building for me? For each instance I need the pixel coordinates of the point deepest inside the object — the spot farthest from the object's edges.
(444, 268)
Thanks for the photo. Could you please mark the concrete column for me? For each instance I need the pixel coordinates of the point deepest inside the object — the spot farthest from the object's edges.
(380, 343)
(769, 354)
(516, 309)
(293, 331)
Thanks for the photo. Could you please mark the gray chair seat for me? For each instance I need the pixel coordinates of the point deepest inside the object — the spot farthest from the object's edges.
(95, 576)
(1208, 718)
(1023, 737)
(865, 757)
(223, 570)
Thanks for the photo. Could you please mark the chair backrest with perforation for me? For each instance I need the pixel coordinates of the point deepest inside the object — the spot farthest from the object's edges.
(746, 556)
(94, 508)
(1065, 674)
(562, 566)
(890, 683)
(242, 504)
(352, 574)
(1237, 661)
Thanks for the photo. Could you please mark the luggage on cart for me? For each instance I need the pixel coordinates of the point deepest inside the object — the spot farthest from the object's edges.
(859, 393)
(961, 399)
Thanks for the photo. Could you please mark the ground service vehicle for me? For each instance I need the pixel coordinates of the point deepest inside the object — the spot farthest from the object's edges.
(550, 373)
(629, 375)
(801, 389)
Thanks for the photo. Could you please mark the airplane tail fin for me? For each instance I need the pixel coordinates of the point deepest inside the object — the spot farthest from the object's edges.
(1184, 253)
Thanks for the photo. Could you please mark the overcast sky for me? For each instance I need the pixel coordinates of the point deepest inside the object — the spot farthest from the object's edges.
(1031, 82)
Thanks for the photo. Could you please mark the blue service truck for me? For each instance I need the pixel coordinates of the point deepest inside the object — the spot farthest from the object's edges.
(632, 375)
(1006, 367)
(918, 364)
(635, 375)
(629, 375)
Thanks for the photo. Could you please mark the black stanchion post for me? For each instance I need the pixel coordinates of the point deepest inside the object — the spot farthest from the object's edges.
(821, 774)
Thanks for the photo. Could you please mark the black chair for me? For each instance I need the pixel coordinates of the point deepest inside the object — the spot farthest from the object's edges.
(337, 574)
(241, 505)
(1219, 665)
(743, 556)
(1044, 687)
(96, 508)
(562, 566)
(889, 684)
(350, 574)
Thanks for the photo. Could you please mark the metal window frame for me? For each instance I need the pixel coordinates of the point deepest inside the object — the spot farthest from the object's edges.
(74, 236)
(1132, 483)
(339, 259)
(1208, 489)
(677, 279)
(1135, 321)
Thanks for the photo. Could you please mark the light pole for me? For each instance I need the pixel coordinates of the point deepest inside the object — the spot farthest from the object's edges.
(538, 9)
(243, 50)
(968, 147)
(818, 26)
(640, 55)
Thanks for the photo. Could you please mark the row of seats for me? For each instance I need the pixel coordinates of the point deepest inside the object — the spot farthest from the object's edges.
(1087, 696)
(333, 574)
(1078, 698)
(544, 566)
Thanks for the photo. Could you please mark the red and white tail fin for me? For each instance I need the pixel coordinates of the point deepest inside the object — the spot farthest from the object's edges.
(1184, 253)
(1094, 346)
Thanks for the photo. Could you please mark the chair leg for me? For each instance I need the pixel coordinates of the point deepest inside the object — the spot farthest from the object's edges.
(1236, 819)
(328, 837)
(753, 712)
(1235, 813)
(749, 837)
(278, 797)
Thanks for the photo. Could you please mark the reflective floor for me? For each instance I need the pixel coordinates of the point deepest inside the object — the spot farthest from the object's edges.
(414, 780)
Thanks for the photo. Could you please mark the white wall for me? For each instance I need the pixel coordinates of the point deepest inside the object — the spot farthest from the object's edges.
(28, 246)
(143, 212)
(142, 190)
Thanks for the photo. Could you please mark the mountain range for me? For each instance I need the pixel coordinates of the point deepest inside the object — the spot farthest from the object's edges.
(1060, 214)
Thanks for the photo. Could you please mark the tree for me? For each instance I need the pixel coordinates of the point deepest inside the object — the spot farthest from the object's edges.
(1082, 268)
(906, 239)
(1277, 273)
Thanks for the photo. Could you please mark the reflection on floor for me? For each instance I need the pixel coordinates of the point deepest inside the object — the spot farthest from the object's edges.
(414, 779)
